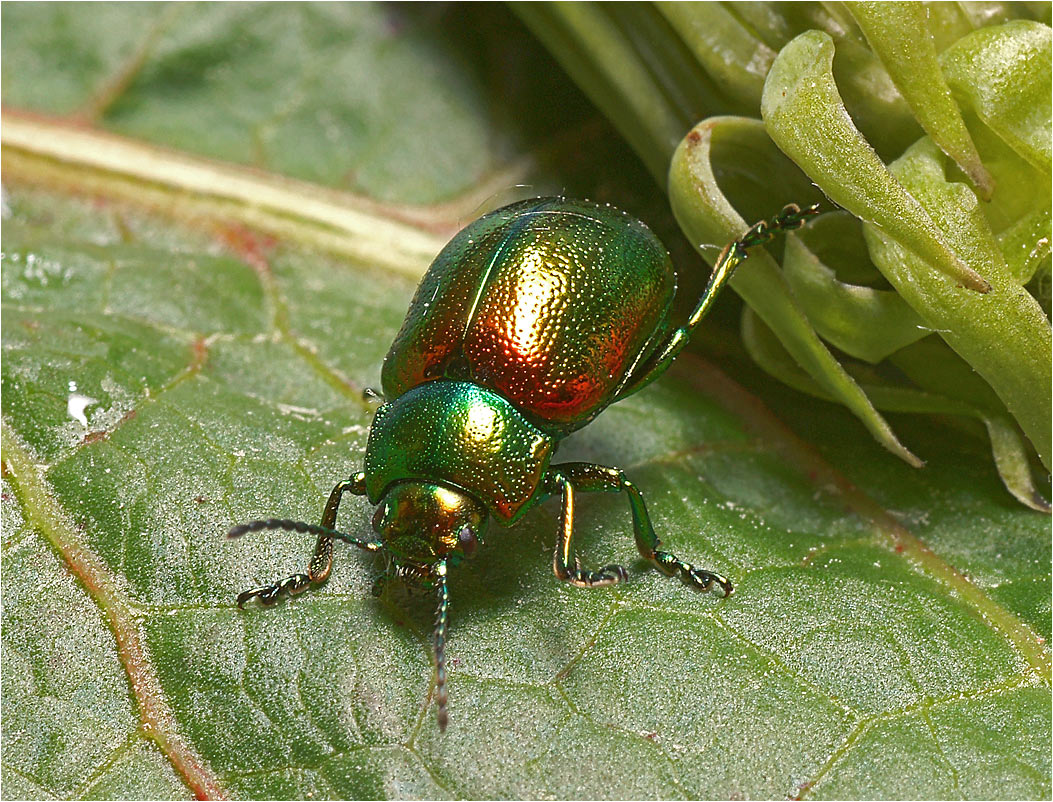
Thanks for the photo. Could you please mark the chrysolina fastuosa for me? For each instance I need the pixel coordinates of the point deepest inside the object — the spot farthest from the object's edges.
(528, 324)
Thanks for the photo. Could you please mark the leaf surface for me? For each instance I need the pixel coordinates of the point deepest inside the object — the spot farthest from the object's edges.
(169, 373)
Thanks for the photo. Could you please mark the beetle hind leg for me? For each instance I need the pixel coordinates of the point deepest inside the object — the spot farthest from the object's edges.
(322, 560)
(588, 477)
(650, 547)
(790, 218)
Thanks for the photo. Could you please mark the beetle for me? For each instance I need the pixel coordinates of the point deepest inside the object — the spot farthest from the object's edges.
(529, 323)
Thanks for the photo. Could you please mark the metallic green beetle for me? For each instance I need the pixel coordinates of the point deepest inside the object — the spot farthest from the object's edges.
(530, 322)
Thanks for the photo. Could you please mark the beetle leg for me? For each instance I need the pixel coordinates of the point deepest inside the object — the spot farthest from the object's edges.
(791, 217)
(377, 589)
(564, 564)
(588, 477)
(322, 560)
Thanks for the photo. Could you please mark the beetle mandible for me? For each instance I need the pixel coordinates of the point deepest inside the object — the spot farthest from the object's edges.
(530, 322)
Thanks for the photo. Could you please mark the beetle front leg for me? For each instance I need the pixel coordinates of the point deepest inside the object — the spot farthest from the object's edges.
(564, 564)
(322, 560)
(588, 477)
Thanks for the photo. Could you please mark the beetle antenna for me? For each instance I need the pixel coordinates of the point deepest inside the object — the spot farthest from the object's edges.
(441, 617)
(301, 526)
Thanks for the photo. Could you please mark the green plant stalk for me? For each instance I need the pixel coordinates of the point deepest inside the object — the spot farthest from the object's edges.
(592, 49)
(673, 68)
(898, 32)
(724, 47)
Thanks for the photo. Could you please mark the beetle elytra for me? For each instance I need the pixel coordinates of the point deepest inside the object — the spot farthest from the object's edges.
(531, 321)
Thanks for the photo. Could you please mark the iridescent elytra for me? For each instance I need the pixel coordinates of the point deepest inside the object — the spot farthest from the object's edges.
(529, 323)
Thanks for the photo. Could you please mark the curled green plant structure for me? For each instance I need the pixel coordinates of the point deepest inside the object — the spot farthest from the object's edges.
(927, 292)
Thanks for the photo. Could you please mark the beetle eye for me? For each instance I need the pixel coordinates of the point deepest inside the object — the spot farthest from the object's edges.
(466, 540)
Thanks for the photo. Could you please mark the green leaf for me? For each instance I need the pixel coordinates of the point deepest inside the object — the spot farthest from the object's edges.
(591, 45)
(804, 114)
(920, 223)
(900, 36)
(186, 339)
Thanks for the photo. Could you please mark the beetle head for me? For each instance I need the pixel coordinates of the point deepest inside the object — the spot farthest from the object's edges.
(425, 527)
(421, 523)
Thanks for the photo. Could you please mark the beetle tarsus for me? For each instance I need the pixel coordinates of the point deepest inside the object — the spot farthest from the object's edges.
(268, 595)
(703, 580)
(608, 575)
(790, 218)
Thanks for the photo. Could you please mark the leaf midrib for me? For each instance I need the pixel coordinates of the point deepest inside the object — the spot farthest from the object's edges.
(44, 515)
(198, 188)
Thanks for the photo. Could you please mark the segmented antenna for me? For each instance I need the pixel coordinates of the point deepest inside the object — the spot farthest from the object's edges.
(301, 526)
(441, 617)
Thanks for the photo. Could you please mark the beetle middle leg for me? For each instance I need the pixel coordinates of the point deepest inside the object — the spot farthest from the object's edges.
(322, 560)
(564, 563)
(587, 477)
